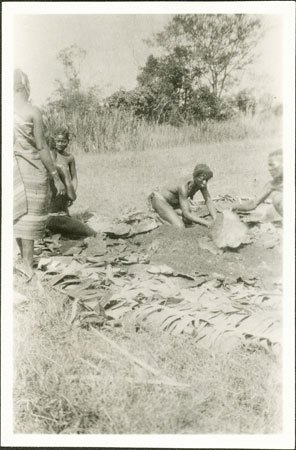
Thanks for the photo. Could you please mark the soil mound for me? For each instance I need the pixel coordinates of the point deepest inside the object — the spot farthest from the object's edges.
(191, 250)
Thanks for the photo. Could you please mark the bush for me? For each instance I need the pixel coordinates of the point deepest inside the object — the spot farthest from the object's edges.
(112, 130)
(246, 102)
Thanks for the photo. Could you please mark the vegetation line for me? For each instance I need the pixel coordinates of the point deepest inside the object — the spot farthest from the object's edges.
(187, 94)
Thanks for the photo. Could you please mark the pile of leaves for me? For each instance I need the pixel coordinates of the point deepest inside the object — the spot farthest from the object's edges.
(128, 225)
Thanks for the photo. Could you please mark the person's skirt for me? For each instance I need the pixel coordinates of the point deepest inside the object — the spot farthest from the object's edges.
(33, 175)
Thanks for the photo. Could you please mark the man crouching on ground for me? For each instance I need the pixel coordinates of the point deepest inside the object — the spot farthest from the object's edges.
(173, 203)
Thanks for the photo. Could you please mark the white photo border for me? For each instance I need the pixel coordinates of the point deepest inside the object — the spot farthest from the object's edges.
(286, 9)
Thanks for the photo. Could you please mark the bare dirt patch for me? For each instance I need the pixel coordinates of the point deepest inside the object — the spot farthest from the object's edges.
(181, 250)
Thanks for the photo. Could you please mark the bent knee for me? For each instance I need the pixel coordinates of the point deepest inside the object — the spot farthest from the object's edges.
(278, 206)
(277, 201)
(179, 224)
(156, 195)
(156, 199)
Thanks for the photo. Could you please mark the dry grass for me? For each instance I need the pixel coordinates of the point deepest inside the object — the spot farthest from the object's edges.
(70, 381)
(109, 184)
(117, 131)
(67, 380)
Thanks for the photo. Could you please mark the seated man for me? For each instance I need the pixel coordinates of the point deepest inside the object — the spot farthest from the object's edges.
(167, 202)
(59, 220)
(273, 189)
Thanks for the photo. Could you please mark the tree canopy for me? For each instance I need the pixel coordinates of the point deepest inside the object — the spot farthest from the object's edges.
(201, 56)
(218, 46)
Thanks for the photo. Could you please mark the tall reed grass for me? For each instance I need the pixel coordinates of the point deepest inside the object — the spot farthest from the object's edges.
(117, 131)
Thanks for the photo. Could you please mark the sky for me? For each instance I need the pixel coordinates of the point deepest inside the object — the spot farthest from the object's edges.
(115, 50)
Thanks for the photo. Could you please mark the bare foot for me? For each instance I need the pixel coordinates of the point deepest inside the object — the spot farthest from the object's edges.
(24, 269)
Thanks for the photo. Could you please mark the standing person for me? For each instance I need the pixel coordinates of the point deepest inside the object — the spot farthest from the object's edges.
(32, 162)
(59, 219)
(175, 199)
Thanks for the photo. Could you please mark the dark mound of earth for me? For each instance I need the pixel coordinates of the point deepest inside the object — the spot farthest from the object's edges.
(181, 249)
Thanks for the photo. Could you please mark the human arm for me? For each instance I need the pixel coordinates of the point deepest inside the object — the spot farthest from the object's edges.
(186, 209)
(209, 203)
(73, 173)
(38, 131)
(252, 204)
(66, 178)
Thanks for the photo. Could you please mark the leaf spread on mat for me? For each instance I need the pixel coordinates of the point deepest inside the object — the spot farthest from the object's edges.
(106, 278)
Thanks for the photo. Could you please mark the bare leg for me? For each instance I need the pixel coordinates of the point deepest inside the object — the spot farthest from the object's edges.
(166, 211)
(277, 201)
(28, 251)
(20, 246)
(69, 227)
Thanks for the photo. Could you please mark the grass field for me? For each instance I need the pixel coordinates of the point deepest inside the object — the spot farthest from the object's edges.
(119, 131)
(68, 380)
(111, 183)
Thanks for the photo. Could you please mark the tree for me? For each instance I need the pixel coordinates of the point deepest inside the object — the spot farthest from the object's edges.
(170, 74)
(246, 101)
(71, 104)
(218, 46)
(203, 105)
(69, 95)
(138, 101)
(169, 80)
(71, 58)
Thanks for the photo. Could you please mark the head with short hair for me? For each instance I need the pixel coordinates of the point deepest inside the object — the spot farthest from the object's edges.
(202, 169)
(201, 174)
(62, 131)
(278, 152)
(21, 82)
(61, 138)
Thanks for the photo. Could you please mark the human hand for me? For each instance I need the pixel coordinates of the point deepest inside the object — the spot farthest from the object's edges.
(205, 223)
(60, 187)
